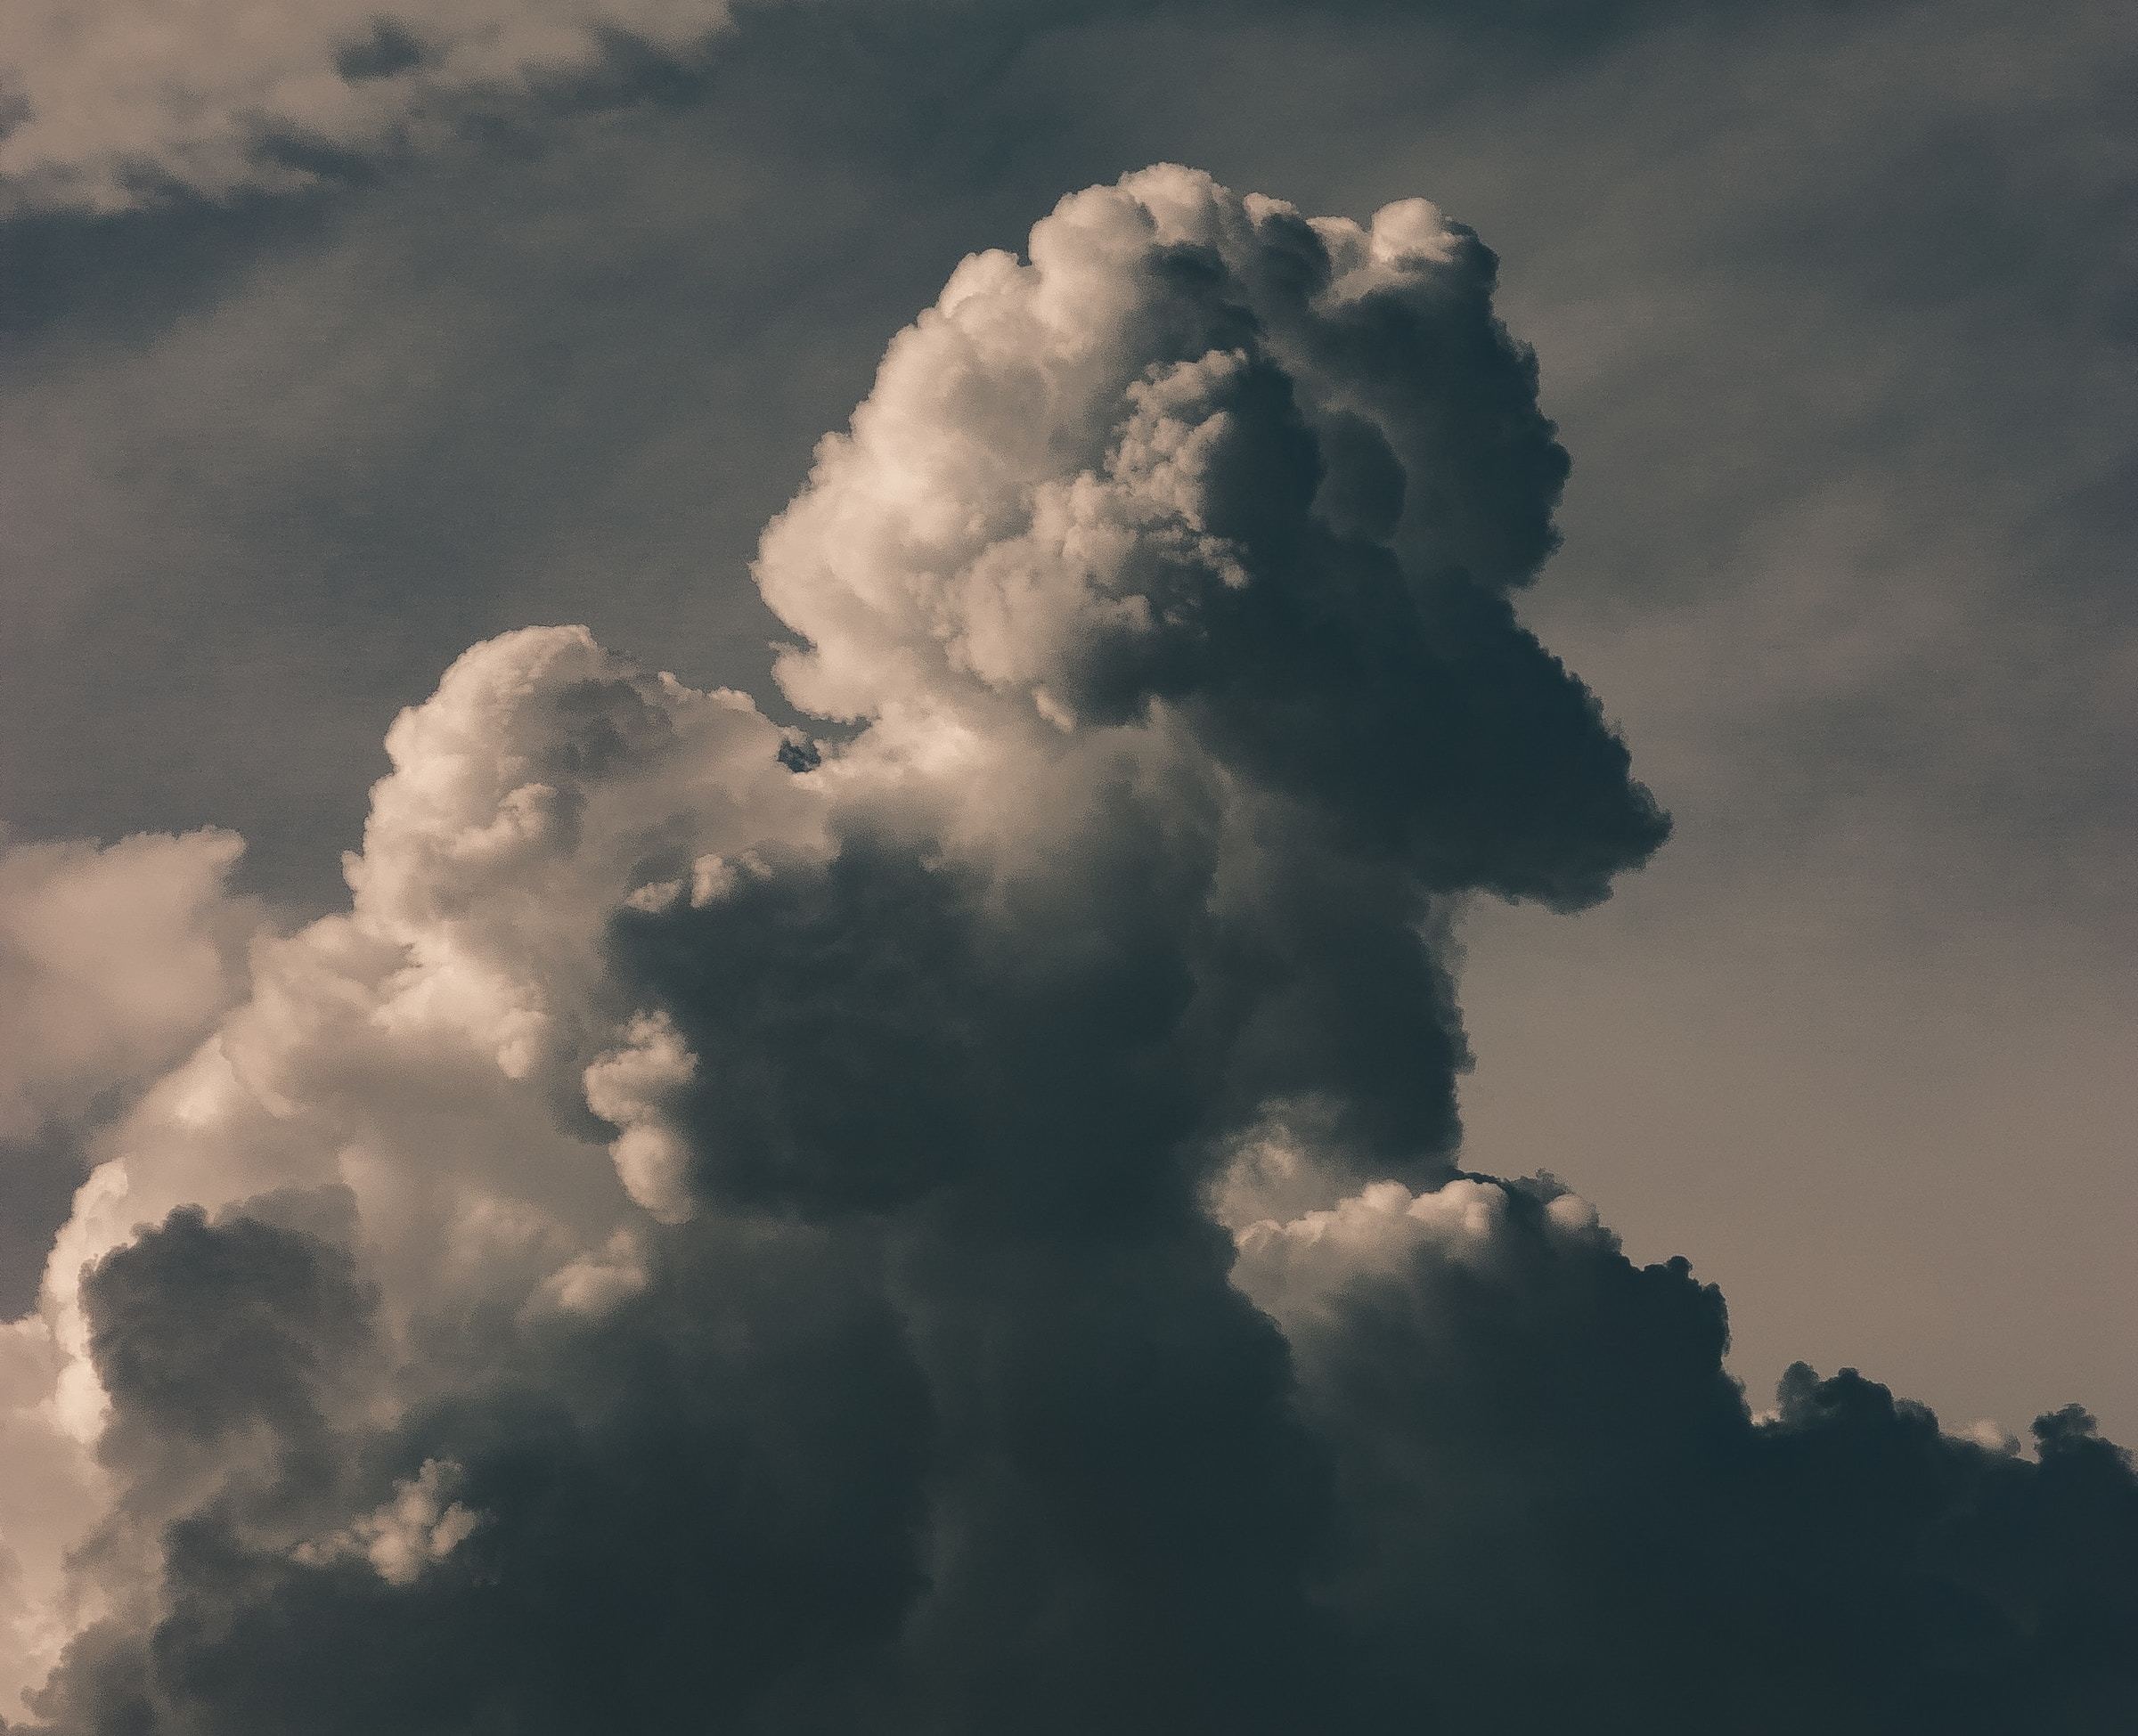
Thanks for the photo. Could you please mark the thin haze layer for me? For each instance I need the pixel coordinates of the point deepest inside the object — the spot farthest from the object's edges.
(957, 1228)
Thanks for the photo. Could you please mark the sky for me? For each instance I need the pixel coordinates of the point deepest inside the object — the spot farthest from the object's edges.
(953, 1094)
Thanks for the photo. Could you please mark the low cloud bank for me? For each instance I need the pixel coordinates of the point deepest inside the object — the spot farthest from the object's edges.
(961, 1228)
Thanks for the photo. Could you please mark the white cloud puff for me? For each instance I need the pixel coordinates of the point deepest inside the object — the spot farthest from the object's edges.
(628, 1087)
(409, 1051)
(1297, 1270)
(419, 1526)
(993, 510)
(113, 961)
(404, 1049)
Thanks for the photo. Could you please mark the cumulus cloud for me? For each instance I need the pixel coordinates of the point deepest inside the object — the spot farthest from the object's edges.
(112, 961)
(627, 1086)
(108, 107)
(1543, 1466)
(959, 1226)
(417, 1526)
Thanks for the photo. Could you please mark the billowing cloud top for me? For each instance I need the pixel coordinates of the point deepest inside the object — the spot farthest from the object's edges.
(957, 1228)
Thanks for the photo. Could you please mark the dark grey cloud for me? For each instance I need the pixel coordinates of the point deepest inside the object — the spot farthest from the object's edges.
(1556, 1509)
(201, 1333)
(709, 1502)
(1547, 1448)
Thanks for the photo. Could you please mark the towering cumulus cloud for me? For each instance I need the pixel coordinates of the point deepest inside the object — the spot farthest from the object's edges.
(957, 1228)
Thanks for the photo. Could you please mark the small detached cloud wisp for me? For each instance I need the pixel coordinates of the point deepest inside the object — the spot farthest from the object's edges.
(110, 107)
(960, 1228)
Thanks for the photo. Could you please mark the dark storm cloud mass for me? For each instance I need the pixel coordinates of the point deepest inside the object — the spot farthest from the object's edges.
(1030, 1284)
(1556, 1512)
(708, 1500)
